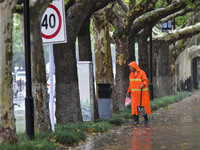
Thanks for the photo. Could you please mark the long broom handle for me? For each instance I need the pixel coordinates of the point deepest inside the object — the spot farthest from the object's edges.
(141, 98)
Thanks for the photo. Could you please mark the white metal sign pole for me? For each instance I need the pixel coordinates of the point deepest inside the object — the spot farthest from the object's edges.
(51, 72)
(53, 32)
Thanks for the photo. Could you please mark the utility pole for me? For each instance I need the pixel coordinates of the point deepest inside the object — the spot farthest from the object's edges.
(151, 68)
(29, 99)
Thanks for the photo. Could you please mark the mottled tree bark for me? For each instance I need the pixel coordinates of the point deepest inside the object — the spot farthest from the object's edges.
(7, 120)
(143, 50)
(137, 24)
(161, 57)
(39, 83)
(152, 17)
(102, 49)
(124, 55)
(136, 20)
(164, 60)
(103, 59)
(162, 79)
(84, 42)
(38, 71)
(67, 93)
(85, 54)
(143, 55)
(178, 34)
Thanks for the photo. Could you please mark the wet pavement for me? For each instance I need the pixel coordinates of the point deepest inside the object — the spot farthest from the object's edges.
(19, 110)
(175, 127)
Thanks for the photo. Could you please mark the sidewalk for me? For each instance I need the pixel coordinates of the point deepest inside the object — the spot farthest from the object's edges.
(175, 127)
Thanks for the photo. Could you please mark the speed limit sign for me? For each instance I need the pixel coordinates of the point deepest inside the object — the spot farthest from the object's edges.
(53, 26)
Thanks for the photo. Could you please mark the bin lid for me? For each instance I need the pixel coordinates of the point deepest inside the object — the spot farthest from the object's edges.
(104, 85)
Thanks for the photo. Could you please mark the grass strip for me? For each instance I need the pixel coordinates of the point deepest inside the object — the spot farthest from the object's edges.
(72, 133)
(41, 142)
(164, 101)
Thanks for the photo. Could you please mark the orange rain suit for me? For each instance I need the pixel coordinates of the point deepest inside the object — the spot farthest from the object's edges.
(135, 81)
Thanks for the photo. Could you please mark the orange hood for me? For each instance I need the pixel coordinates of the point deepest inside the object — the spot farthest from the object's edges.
(134, 65)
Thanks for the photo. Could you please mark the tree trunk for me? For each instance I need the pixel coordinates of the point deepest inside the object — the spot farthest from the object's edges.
(67, 92)
(84, 42)
(103, 59)
(162, 61)
(39, 83)
(85, 54)
(38, 71)
(124, 55)
(162, 80)
(143, 53)
(7, 120)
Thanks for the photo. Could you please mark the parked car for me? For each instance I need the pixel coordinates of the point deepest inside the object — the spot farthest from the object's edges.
(15, 87)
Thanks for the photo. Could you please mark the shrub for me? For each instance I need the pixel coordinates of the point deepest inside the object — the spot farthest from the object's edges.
(69, 137)
(72, 133)
(101, 127)
(164, 101)
(117, 121)
(125, 115)
(40, 142)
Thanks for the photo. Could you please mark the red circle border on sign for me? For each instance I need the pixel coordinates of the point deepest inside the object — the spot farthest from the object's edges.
(59, 25)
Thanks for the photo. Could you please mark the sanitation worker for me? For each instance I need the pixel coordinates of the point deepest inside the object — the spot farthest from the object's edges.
(138, 80)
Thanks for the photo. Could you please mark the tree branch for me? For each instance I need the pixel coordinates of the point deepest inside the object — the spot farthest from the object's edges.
(180, 13)
(42, 4)
(139, 9)
(83, 11)
(100, 4)
(194, 51)
(20, 2)
(113, 18)
(176, 14)
(183, 43)
(123, 5)
(175, 35)
(69, 4)
(132, 3)
(169, 1)
(156, 31)
(18, 9)
(154, 16)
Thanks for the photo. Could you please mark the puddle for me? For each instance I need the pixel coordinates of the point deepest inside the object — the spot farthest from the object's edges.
(173, 127)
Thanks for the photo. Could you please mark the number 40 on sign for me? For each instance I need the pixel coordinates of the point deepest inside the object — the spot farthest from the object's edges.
(53, 23)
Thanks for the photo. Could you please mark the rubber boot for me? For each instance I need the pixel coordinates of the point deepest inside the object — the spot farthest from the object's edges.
(136, 119)
(146, 120)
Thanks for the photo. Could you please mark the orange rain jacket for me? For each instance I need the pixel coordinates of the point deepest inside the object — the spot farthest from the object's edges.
(135, 81)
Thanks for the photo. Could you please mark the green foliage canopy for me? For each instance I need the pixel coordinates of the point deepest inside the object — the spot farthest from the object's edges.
(18, 49)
